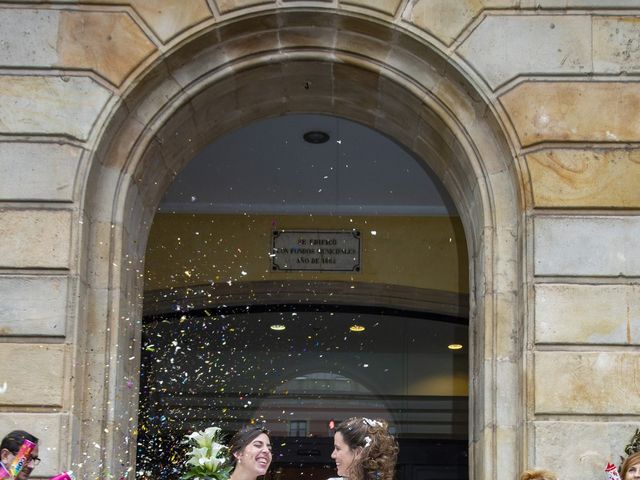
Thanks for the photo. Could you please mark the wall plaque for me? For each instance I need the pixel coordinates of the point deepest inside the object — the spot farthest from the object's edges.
(320, 250)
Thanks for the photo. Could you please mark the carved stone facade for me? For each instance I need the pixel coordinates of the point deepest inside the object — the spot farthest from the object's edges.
(526, 109)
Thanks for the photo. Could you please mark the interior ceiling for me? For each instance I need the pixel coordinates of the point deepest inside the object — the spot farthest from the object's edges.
(267, 167)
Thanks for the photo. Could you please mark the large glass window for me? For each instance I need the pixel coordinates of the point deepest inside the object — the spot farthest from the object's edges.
(300, 370)
(229, 338)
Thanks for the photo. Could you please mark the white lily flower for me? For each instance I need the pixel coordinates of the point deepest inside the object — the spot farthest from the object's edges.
(216, 448)
(196, 454)
(207, 458)
(204, 438)
(212, 431)
(210, 463)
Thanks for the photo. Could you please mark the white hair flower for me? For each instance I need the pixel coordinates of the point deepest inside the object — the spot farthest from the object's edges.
(371, 423)
(367, 441)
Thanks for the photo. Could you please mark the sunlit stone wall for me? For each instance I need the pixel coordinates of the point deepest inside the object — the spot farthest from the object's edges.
(559, 75)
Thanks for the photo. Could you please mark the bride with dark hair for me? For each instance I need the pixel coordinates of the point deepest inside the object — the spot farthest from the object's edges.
(364, 449)
(250, 450)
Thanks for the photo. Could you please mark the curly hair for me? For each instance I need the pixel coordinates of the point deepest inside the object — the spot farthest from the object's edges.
(630, 461)
(538, 475)
(379, 448)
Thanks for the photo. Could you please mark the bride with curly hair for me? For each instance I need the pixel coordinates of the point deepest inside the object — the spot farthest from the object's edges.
(363, 449)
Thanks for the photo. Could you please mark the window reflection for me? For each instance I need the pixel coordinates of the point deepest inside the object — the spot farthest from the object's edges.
(230, 368)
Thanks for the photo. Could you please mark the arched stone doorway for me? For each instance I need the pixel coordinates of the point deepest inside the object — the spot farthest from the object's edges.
(301, 61)
(226, 320)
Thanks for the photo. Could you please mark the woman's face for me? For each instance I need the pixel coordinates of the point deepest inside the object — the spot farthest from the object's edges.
(343, 455)
(633, 473)
(256, 456)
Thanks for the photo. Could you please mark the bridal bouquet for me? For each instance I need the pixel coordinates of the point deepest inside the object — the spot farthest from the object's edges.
(207, 459)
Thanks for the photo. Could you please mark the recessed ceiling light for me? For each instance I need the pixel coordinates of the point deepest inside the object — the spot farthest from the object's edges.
(357, 328)
(316, 137)
(277, 327)
(454, 346)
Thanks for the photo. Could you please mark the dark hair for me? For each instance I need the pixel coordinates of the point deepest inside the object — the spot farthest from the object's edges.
(629, 462)
(13, 440)
(244, 437)
(379, 448)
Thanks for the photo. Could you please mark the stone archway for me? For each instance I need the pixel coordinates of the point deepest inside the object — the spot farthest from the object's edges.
(307, 62)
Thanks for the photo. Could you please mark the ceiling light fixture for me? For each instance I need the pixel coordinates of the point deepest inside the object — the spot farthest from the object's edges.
(357, 328)
(278, 327)
(454, 346)
(316, 137)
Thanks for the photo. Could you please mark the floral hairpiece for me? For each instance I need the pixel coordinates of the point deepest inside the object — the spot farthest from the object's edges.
(367, 442)
(634, 444)
(371, 423)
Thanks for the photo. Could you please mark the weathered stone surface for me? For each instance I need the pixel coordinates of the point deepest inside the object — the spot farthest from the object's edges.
(587, 383)
(587, 245)
(37, 374)
(603, 4)
(53, 435)
(111, 44)
(589, 444)
(38, 171)
(28, 37)
(585, 178)
(228, 5)
(386, 6)
(167, 18)
(442, 18)
(500, 47)
(50, 105)
(574, 111)
(33, 305)
(446, 19)
(35, 238)
(615, 44)
(498, 312)
(566, 313)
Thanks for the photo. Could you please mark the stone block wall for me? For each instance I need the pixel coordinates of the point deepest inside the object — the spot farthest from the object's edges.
(556, 81)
